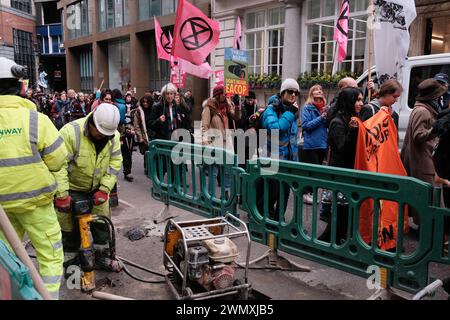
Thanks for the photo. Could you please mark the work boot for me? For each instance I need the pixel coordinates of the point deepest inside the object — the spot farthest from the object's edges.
(129, 177)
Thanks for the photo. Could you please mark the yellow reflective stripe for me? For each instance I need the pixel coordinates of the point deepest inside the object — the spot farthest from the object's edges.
(116, 153)
(33, 135)
(35, 158)
(55, 145)
(112, 171)
(27, 194)
(57, 245)
(51, 279)
(111, 149)
(33, 130)
(77, 129)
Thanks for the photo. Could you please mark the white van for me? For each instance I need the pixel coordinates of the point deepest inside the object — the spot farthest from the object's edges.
(416, 70)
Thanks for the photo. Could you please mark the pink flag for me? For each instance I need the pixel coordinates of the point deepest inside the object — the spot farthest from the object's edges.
(237, 34)
(202, 71)
(341, 31)
(163, 44)
(195, 35)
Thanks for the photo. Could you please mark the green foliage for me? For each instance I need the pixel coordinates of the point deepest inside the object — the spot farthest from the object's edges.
(305, 80)
(326, 80)
(264, 81)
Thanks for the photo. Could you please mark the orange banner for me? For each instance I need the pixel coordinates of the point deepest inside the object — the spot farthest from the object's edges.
(377, 151)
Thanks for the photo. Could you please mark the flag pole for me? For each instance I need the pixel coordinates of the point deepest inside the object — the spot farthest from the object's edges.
(371, 18)
(332, 67)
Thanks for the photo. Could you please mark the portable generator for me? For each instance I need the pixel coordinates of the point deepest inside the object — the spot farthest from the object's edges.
(201, 258)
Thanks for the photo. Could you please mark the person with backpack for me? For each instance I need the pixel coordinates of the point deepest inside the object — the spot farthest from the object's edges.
(388, 94)
(281, 115)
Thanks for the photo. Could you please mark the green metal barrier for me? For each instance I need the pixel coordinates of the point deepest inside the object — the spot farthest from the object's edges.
(15, 280)
(406, 271)
(191, 185)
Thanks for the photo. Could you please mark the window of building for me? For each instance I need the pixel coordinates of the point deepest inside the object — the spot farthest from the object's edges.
(86, 71)
(321, 48)
(119, 64)
(113, 13)
(150, 8)
(78, 19)
(438, 35)
(22, 5)
(23, 52)
(264, 38)
(50, 12)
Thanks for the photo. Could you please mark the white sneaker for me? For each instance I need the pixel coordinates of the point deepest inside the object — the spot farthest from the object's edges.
(308, 198)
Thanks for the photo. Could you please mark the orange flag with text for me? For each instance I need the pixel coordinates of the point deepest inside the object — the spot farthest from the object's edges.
(377, 151)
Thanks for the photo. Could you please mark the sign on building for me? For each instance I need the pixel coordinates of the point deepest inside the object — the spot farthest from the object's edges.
(236, 72)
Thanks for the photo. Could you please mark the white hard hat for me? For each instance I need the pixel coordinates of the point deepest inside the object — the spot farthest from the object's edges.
(11, 70)
(106, 119)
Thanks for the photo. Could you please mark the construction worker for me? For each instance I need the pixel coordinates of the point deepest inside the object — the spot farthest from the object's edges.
(31, 150)
(92, 167)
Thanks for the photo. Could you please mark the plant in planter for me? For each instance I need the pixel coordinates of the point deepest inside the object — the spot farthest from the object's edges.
(326, 80)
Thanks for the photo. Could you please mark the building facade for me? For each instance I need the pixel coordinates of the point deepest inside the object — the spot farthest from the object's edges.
(291, 37)
(49, 32)
(18, 34)
(111, 43)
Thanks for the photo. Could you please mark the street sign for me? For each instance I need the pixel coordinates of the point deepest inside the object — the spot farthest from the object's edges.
(236, 72)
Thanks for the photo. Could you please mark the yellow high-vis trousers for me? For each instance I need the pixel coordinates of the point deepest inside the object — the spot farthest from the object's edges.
(42, 227)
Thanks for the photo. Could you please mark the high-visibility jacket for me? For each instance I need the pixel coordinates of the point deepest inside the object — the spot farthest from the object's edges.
(84, 170)
(31, 149)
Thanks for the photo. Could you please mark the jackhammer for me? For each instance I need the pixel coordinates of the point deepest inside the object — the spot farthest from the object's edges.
(88, 258)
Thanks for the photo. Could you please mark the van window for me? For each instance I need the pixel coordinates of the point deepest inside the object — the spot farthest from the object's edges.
(418, 74)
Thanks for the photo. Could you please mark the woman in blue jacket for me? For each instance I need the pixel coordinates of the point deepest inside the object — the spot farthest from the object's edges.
(314, 126)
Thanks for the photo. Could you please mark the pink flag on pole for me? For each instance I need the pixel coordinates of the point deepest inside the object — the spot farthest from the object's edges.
(341, 30)
(237, 34)
(195, 35)
(163, 44)
(202, 71)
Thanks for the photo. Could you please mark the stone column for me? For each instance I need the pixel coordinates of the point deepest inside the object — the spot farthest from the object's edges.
(292, 39)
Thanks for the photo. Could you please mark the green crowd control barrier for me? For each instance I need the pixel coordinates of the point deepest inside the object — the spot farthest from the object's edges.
(15, 280)
(272, 193)
(183, 175)
(296, 232)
